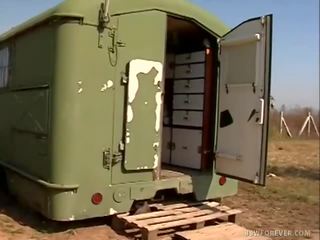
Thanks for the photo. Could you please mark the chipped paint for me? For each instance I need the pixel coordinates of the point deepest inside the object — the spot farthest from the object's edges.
(112, 211)
(156, 161)
(156, 157)
(129, 114)
(138, 66)
(106, 86)
(109, 84)
(158, 98)
(80, 89)
(142, 66)
(72, 218)
(156, 145)
(127, 136)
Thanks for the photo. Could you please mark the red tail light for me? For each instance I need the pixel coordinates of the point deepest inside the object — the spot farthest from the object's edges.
(96, 198)
(222, 180)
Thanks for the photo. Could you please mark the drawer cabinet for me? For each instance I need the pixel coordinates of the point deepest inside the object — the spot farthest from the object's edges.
(187, 118)
(187, 146)
(169, 69)
(189, 86)
(188, 102)
(190, 57)
(190, 71)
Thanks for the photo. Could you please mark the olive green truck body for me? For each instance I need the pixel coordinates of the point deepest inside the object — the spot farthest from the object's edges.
(85, 93)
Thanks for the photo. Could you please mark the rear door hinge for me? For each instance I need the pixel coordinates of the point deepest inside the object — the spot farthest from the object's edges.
(106, 158)
(117, 157)
(109, 161)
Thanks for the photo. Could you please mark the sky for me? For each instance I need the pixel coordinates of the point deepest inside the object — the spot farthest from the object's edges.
(295, 62)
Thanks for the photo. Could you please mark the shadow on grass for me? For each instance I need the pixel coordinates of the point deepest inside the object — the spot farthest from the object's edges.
(23, 216)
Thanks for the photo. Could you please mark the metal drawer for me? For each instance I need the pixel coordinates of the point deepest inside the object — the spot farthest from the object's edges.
(186, 148)
(188, 102)
(166, 141)
(169, 69)
(188, 118)
(190, 71)
(190, 57)
(189, 86)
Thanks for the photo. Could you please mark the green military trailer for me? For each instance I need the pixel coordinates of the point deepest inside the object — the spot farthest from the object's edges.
(104, 104)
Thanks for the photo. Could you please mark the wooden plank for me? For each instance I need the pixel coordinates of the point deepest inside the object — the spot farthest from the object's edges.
(183, 205)
(226, 231)
(173, 211)
(149, 215)
(151, 221)
(193, 220)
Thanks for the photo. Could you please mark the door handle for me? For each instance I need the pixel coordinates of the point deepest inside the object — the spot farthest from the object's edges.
(261, 120)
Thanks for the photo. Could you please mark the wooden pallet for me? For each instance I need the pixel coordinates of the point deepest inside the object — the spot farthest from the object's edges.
(175, 217)
(224, 231)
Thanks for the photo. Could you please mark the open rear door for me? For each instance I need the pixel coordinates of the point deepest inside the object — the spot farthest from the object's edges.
(244, 93)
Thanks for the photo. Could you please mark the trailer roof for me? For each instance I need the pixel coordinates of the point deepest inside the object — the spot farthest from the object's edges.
(87, 10)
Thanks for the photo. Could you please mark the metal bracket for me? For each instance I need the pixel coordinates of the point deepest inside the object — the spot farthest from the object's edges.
(116, 158)
(253, 88)
(124, 78)
(104, 19)
(106, 159)
(227, 88)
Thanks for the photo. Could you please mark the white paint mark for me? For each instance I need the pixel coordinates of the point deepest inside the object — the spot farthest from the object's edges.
(158, 110)
(109, 84)
(80, 89)
(106, 86)
(112, 211)
(129, 114)
(156, 145)
(127, 137)
(145, 103)
(71, 218)
(156, 157)
(142, 66)
(138, 66)
(156, 161)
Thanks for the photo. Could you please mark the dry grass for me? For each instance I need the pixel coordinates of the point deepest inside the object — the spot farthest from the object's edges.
(290, 200)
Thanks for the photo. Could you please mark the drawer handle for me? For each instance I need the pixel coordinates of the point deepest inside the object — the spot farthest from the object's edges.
(187, 85)
(187, 100)
(184, 147)
(186, 117)
(189, 70)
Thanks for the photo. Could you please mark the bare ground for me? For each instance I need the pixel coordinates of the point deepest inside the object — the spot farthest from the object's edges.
(290, 201)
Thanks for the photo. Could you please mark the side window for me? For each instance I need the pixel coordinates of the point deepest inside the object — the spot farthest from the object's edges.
(4, 67)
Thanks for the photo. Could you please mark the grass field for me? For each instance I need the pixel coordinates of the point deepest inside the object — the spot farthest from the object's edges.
(290, 201)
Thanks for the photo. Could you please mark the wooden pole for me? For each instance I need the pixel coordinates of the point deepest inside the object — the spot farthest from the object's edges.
(309, 124)
(303, 126)
(281, 123)
(314, 125)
